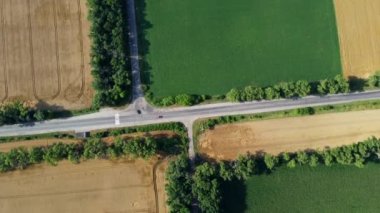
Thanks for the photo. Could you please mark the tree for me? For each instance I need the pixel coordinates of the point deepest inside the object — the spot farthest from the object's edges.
(142, 147)
(94, 148)
(55, 153)
(226, 171)
(343, 84)
(270, 161)
(244, 167)
(271, 93)
(36, 155)
(233, 95)
(17, 158)
(40, 115)
(374, 80)
(206, 188)
(302, 158)
(314, 160)
(302, 88)
(178, 185)
(184, 100)
(292, 163)
(168, 101)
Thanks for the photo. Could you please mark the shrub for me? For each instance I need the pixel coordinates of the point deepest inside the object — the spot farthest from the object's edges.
(178, 185)
(94, 148)
(184, 100)
(233, 95)
(141, 148)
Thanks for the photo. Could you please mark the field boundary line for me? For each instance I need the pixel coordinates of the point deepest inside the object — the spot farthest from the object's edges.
(75, 192)
(4, 53)
(32, 55)
(56, 50)
(80, 25)
(155, 188)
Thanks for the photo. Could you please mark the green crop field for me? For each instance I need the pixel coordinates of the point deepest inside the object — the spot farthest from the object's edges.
(211, 46)
(305, 189)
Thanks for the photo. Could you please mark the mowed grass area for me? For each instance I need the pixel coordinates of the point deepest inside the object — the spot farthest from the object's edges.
(306, 189)
(211, 46)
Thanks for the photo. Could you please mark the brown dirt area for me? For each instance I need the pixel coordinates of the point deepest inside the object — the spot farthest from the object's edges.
(44, 53)
(91, 186)
(289, 134)
(359, 29)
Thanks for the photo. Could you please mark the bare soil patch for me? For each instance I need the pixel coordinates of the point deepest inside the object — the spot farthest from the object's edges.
(91, 186)
(44, 52)
(359, 28)
(289, 134)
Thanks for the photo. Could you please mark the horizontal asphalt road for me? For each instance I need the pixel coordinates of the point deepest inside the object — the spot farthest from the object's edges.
(106, 119)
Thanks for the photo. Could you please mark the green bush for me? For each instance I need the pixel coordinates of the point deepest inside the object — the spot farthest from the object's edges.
(141, 148)
(178, 185)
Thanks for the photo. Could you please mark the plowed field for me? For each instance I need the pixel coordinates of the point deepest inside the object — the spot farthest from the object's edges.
(44, 52)
(359, 30)
(289, 134)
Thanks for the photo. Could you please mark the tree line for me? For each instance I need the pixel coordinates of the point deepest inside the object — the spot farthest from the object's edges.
(292, 89)
(93, 148)
(109, 52)
(203, 184)
(19, 112)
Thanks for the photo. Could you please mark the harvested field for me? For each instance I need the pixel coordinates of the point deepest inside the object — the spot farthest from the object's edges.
(359, 29)
(45, 52)
(92, 186)
(289, 134)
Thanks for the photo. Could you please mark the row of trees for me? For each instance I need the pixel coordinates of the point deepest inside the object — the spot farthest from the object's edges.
(300, 88)
(94, 148)
(204, 183)
(109, 52)
(19, 112)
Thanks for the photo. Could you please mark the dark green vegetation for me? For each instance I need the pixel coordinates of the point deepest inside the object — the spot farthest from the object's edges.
(142, 147)
(209, 47)
(93, 148)
(305, 189)
(19, 112)
(109, 51)
(208, 178)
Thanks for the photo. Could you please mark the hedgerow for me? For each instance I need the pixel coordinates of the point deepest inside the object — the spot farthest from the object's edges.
(93, 148)
(109, 52)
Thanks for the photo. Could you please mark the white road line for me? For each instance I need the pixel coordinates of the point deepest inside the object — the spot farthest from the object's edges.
(117, 119)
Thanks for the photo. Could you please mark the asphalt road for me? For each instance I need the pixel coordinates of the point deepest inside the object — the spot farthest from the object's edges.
(106, 119)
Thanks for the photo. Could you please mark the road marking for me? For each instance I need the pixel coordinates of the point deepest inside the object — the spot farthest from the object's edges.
(117, 119)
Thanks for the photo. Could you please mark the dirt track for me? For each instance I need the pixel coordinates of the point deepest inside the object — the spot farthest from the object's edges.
(44, 52)
(92, 186)
(289, 134)
(359, 30)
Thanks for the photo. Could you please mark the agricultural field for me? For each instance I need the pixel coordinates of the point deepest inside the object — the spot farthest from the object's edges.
(306, 189)
(209, 47)
(359, 29)
(289, 134)
(44, 53)
(91, 186)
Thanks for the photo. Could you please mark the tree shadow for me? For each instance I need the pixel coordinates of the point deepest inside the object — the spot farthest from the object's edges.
(233, 196)
(356, 84)
(143, 25)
